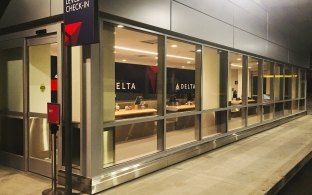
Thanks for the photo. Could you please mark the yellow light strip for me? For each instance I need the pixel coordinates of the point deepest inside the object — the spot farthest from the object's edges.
(280, 76)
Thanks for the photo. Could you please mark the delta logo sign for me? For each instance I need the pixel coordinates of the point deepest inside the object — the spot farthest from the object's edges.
(80, 18)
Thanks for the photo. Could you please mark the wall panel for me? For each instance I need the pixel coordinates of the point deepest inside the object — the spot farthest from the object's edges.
(249, 42)
(20, 11)
(276, 36)
(250, 23)
(222, 9)
(153, 12)
(277, 52)
(56, 7)
(196, 24)
(252, 7)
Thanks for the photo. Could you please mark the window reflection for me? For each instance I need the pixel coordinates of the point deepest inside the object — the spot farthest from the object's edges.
(253, 80)
(181, 61)
(278, 82)
(268, 81)
(288, 78)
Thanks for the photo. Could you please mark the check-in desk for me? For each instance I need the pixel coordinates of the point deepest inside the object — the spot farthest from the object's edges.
(181, 122)
(136, 130)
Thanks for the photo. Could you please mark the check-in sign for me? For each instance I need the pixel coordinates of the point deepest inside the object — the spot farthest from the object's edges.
(54, 113)
(80, 18)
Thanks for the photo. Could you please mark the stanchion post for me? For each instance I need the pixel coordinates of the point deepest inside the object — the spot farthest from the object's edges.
(54, 119)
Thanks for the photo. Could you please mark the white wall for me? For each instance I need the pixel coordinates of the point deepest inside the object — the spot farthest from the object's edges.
(211, 80)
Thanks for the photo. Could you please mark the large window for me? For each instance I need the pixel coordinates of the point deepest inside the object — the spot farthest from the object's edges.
(11, 100)
(161, 92)
(214, 86)
(130, 76)
(288, 82)
(278, 82)
(181, 64)
(268, 82)
(235, 92)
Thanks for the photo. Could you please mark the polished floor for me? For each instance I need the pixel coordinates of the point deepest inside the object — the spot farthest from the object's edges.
(251, 166)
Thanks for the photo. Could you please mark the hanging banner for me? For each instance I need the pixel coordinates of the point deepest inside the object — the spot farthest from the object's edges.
(80, 19)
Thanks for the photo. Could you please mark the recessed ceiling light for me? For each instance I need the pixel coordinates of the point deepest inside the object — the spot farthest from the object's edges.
(199, 50)
(239, 59)
(120, 26)
(124, 60)
(188, 62)
(173, 46)
(182, 66)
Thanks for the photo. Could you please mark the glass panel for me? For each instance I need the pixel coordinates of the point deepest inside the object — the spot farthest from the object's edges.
(295, 106)
(267, 112)
(130, 73)
(11, 100)
(42, 73)
(214, 95)
(302, 105)
(235, 78)
(287, 107)
(254, 115)
(253, 80)
(278, 82)
(237, 118)
(135, 140)
(288, 86)
(213, 123)
(279, 110)
(302, 83)
(295, 83)
(180, 130)
(181, 60)
(268, 81)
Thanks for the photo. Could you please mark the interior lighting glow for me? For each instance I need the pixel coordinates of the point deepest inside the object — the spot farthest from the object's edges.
(174, 46)
(149, 52)
(235, 65)
(135, 50)
(120, 26)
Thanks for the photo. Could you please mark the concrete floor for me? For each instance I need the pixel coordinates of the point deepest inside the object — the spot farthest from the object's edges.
(250, 166)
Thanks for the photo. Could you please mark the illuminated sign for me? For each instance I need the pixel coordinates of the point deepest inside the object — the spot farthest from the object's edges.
(80, 18)
(280, 76)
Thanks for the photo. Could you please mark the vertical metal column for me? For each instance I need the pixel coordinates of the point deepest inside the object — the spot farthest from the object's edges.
(67, 118)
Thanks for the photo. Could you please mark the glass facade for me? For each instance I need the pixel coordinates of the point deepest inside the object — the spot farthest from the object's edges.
(11, 101)
(161, 93)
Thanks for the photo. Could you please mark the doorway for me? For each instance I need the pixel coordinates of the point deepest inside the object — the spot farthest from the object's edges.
(41, 74)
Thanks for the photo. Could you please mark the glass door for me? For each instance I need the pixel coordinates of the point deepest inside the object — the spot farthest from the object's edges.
(42, 88)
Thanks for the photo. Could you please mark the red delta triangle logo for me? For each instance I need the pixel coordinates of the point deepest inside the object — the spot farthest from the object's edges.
(71, 33)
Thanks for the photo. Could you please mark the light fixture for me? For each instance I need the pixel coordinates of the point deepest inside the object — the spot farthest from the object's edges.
(188, 62)
(235, 65)
(124, 60)
(120, 26)
(182, 66)
(174, 46)
(198, 50)
(135, 50)
(239, 59)
(180, 57)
